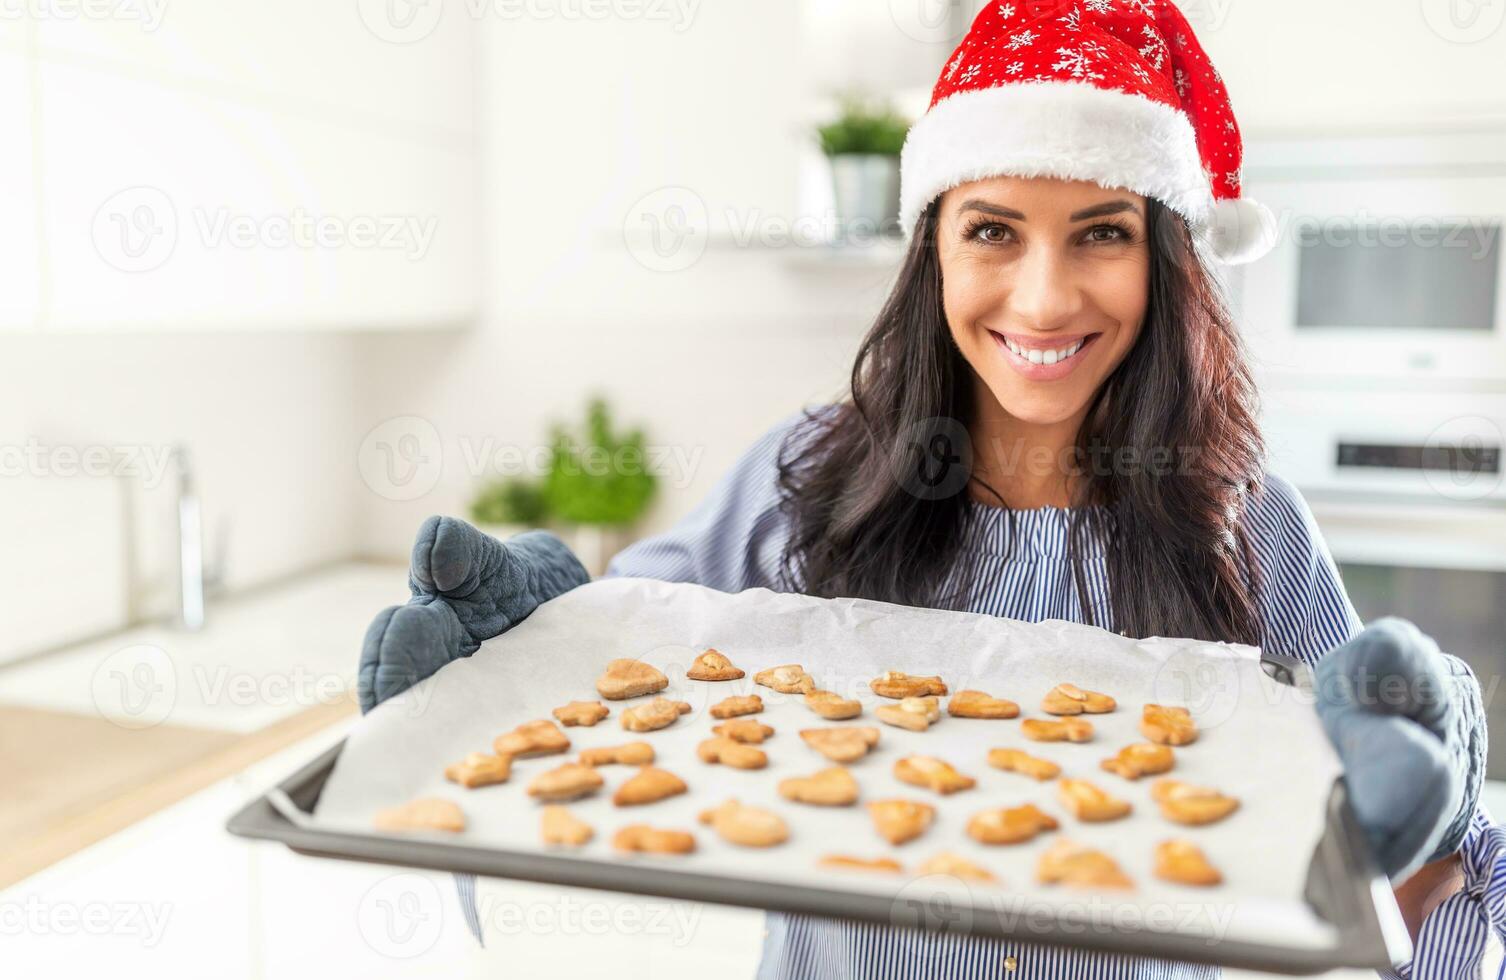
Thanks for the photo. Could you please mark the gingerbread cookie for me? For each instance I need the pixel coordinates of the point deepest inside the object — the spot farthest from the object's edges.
(1069, 699)
(479, 769)
(542, 737)
(1183, 862)
(841, 744)
(570, 781)
(744, 730)
(1088, 803)
(847, 862)
(829, 787)
(786, 679)
(1069, 863)
(586, 713)
(947, 863)
(1167, 725)
(559, 826)
(1009, 825)
(933, 774)
(1013, 760)
(746, 704)
(832, 706)
(746, 826)
(1058, 730)
(656, 714)
(898, 821)
(712, 666)
(897, 684)
(648, 785)
(1140, 759)
(914, 714)
(642, 837)
(630, 679)
(631, 754)
(1193, 805)
(426, 813)
(730, 752)
(976, 704)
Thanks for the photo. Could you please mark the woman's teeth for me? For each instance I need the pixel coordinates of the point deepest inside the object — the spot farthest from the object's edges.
(1035, 356)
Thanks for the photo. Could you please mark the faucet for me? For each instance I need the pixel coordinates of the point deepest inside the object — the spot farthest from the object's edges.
(190, 545)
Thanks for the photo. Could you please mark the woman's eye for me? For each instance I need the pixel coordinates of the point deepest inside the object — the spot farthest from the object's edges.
(992, 234)
(1107, 233)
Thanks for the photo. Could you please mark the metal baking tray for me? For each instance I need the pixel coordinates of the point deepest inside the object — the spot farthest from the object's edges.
(1345, 887)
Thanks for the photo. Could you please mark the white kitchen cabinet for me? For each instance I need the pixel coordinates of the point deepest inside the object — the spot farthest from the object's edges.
(237, 165)
(302, 57)
(169, 207)
(20, 287)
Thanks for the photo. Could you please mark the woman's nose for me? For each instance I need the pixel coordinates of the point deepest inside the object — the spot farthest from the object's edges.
(1044, 295)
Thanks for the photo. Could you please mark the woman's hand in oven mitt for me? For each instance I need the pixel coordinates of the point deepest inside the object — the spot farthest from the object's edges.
(1409, 727)
(467, 587)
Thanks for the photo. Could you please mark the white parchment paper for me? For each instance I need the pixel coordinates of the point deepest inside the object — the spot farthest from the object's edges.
(1260, 741)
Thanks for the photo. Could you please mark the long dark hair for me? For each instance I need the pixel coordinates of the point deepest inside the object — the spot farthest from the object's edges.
(1183, 400)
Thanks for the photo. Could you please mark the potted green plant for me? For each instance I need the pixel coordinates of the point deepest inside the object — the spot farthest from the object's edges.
(597, 485)
(863, 146)
(507, 506)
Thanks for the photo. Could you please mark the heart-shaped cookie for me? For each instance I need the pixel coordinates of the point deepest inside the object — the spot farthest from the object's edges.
(630, 679)
(841, 744)
(829, 787)
(713, 666)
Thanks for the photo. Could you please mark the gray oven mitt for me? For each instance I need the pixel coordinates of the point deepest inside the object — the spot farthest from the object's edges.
(467, 587)
(1409, 725)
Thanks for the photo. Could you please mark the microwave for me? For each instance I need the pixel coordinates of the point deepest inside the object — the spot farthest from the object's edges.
(1390, 262)
(1377, 325)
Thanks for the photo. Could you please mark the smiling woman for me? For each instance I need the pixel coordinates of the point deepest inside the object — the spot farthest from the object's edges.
(1066, 346)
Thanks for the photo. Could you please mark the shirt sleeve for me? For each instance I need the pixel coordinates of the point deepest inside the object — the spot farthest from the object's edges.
(734, 539)
(1305, 612)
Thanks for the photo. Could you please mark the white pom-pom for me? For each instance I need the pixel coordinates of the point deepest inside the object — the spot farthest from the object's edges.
(1241, 231)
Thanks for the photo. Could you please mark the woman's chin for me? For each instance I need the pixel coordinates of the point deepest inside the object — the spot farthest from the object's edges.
(1037, 407)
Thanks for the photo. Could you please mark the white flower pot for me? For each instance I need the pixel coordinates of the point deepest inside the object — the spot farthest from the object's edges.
(866, 186)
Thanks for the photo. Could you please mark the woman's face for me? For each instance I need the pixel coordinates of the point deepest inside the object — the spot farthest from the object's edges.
(1045, 284)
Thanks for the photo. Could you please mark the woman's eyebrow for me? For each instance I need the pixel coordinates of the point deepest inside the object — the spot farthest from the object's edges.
(974, 204)
(1104, 209)
(1096, 211)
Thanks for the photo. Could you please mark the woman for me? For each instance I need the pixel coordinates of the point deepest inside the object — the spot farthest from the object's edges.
(1051, 418)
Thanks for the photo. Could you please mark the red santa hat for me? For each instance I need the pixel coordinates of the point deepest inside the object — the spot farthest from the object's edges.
(1118, 92)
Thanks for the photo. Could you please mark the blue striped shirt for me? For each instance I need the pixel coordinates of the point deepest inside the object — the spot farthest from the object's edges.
(734, 540)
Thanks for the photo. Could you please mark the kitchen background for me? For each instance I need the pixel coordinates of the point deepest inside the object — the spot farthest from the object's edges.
(283, 278)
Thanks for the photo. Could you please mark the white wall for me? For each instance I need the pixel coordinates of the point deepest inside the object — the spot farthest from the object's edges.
(579, 122)
(1329, 66)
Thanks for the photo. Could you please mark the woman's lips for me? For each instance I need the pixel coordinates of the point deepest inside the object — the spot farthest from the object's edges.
(1043, 371)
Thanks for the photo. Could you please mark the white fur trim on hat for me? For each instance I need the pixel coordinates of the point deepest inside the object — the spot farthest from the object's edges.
(1070, 130)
